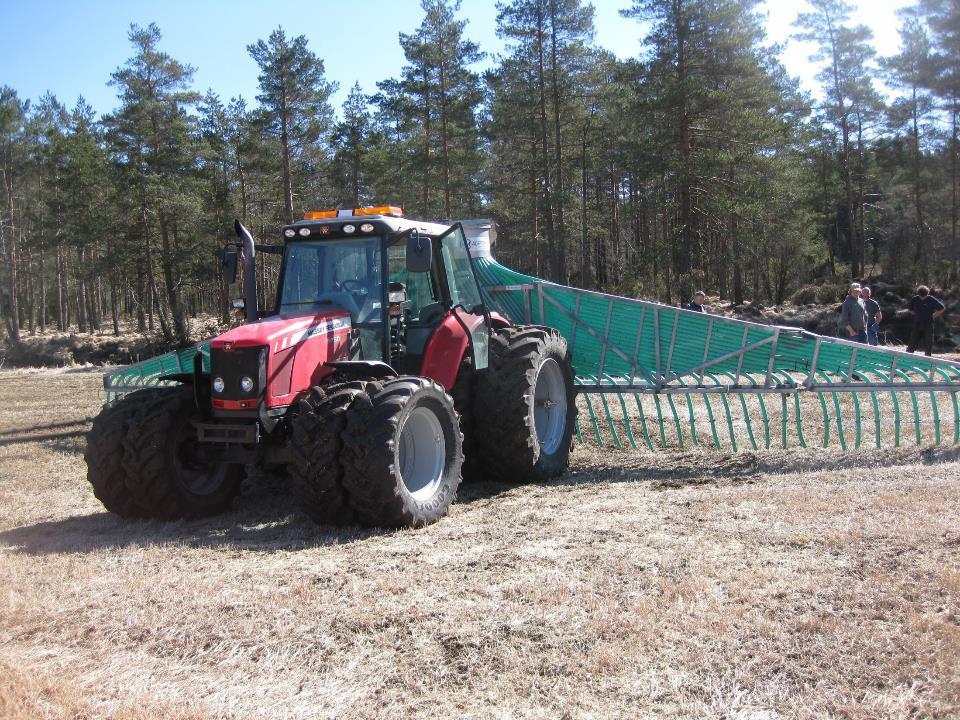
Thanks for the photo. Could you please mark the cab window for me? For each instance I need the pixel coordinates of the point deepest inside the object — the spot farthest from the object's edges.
(456, 261)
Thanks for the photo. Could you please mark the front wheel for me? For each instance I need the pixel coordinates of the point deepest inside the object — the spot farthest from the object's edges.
(402, 453)
(525, 406)
(165, 473)
(316, 446)
(104, 453)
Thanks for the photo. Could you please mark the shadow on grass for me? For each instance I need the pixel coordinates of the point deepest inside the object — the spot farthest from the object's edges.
(68, 436)
(666, 470)
(659, 470)
(263, 519)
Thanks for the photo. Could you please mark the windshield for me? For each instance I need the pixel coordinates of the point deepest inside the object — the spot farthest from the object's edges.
(345, 273)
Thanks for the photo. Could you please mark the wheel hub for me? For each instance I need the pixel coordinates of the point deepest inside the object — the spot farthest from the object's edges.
(422, 453)
(550, 406)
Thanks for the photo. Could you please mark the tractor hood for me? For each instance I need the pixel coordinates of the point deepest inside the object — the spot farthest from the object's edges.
(287, 354)
(284, 331)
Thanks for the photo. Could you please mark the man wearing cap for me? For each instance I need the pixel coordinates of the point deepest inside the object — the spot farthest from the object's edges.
(853, 315)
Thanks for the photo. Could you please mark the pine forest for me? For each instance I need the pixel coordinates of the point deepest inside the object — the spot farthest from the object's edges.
(699, 163)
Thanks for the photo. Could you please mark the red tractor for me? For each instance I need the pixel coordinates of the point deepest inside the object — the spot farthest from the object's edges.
(378, 377)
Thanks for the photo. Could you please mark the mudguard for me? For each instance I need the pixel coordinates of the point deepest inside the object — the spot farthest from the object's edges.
(447, 347)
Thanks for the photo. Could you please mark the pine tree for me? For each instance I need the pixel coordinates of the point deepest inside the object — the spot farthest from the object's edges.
(909, 72)
(152, 137)
(846, 52)
(294, 95)
(943, 20)
(351, 143)
(549, 42)
(443, 95)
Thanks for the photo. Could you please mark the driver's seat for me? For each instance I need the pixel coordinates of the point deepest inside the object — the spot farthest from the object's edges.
(372, 306)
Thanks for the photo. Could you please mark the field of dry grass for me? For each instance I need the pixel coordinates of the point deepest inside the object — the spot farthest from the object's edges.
(676, 584)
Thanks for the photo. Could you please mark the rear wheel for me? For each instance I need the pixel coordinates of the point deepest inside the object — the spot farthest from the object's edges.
(164, 470)
(316, 447)
(402, 453)
(525, 406)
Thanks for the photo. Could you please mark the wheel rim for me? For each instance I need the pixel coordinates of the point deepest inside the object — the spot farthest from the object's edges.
(550, 406)
(423, 452)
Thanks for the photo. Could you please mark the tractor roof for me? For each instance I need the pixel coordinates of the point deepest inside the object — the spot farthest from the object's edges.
(383, 219)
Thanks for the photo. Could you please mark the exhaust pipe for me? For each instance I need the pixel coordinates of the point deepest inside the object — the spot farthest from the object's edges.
(249, 272)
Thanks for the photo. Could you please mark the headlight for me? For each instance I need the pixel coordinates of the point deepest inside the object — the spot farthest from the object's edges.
(304, 232)
(349, 229)
(366, 227)
(218, 384)
(246, 384)
(289, 232)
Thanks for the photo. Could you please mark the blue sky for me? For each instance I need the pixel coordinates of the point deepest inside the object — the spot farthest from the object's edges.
(71, 47)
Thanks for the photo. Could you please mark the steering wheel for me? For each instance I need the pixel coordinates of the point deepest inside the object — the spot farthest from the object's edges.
(358, 287)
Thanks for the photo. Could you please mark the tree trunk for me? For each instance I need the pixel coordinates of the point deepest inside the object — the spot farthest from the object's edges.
(114, 314)
(42, 309)
(31, 299)
(862, 233)
(848, 184)
(921, 252)
(63, 312)
(285, 149)
(445, 141)
(173, 292)
(561, 260)
(584, 236)
(615, 226)
(953, 191)
(548, 188)
(140, 299)
(427, 129)
(13, 326)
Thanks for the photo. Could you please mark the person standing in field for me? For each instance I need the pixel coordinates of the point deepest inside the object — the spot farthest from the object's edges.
(874, 316)
(699, 297)
(925, 308)
(853, 315)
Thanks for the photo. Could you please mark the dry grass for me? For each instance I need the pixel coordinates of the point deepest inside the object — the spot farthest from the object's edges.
(776, 584)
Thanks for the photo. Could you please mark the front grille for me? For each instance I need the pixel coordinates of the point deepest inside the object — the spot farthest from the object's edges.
(233, 365)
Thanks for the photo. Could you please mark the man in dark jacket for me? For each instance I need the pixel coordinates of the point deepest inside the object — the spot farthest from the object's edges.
(853, 316)
(925, 308)
(697, 303)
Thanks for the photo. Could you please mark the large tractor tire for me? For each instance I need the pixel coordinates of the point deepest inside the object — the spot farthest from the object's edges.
(104, 454)
(402, 453)
(164, 473)
(316, 447)
(525, 406)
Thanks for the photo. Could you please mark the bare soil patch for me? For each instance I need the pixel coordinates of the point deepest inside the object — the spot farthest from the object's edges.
(689, 583)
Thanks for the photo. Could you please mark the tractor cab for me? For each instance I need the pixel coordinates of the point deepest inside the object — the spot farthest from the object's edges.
(403, 291)
(400, 281)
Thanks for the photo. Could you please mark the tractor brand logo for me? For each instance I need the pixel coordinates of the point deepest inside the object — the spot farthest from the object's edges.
(228, 347)
(327, 326)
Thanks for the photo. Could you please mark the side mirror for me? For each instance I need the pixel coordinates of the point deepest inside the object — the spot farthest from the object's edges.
(229, 264)
(419, 254)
